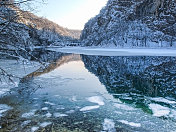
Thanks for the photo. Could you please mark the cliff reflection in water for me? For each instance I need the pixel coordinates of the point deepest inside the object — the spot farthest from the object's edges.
(147, 76)
(27, 85)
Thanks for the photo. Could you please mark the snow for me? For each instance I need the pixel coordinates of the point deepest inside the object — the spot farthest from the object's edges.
(114, 26)
(159, 110)
(116, 51)
(109, 125)
(130, 123)
(96, 99)
(88, 108)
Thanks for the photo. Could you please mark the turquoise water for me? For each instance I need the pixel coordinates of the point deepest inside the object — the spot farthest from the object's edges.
(93, 93)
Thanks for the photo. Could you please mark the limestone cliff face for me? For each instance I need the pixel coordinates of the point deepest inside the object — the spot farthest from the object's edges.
(146, 23)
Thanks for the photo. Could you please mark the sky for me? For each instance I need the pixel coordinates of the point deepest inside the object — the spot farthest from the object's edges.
(72, 14)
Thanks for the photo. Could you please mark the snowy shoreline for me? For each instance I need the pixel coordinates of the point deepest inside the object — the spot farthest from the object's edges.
(116, 51)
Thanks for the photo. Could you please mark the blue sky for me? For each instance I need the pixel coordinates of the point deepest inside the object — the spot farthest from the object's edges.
(72, 14)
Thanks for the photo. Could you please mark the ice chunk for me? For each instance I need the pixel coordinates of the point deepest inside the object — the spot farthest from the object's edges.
(159, 110)
(130, 123)
(73, 99)
(118, 112)
(49, 103)
(109, 125)
(96, 99)
(124, 107)
(173, 114)
(25, 123)
(4, 108)
(45, 124)
(70, 111)
(60, 107)
(48, 115)
(59, 115)
(3, 91)
(45, 108)
(87, 108)
(29, 114)
(160, 99)
(33, 129)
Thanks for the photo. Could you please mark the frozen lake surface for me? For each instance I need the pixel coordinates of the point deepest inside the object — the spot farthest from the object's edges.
(116, 51)
(92, 93)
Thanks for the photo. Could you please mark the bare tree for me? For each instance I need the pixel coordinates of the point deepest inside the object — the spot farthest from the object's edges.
(11, 24)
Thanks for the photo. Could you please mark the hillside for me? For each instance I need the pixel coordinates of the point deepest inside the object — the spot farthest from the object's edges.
(133, 23)
(24, 29)
(43, 23)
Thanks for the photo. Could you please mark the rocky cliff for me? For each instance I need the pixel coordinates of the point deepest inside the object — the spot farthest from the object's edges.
(133, 23)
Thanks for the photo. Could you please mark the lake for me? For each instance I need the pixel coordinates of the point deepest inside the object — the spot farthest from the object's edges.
(87, 93)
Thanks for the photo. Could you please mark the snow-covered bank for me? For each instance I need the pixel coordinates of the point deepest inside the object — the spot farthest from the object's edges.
(115, 51)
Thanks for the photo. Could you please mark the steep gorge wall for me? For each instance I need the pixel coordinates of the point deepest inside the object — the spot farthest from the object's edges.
(126, 23)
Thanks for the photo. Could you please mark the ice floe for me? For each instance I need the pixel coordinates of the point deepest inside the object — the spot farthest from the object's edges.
(130, 123)
(96, 99)
(29, 114)
(73, 99)
(124, 107)
(45, 108)
(59, 115)
(118, 112)
(88, 108)
(109, 125)
(45, 124)
(70, 111)
(33, 129)
(60, 107)
(49, 103)
(3, 91)
(48, 115)
(25, 123)
(159, 110)
(161, 99)
(4, 108)
(173, 114)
